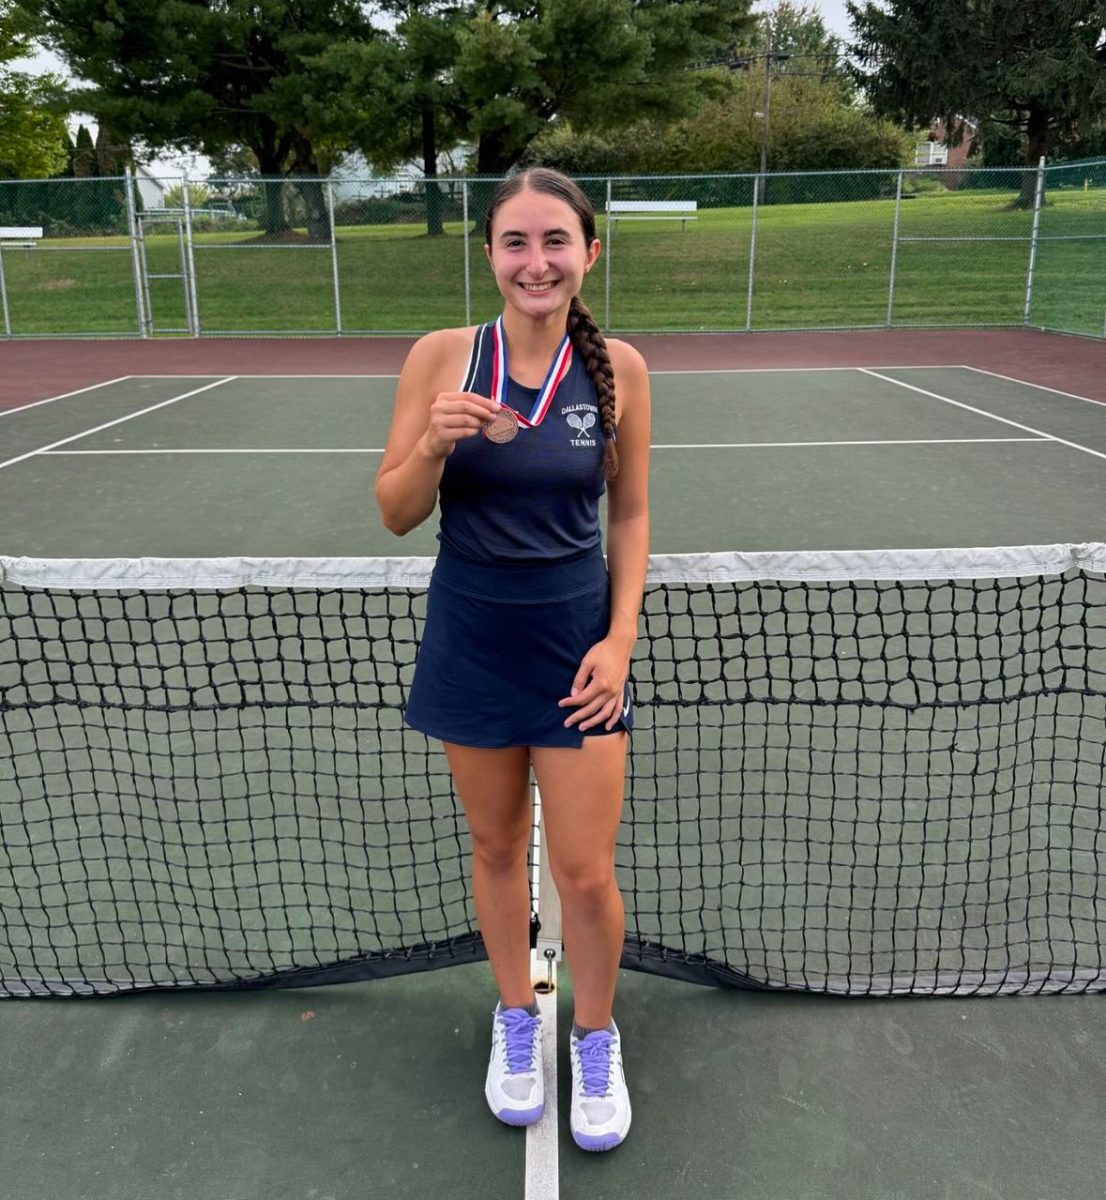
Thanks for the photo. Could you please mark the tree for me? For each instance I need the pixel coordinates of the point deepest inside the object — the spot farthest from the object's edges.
(797, 34)
(496, 73)
(213, 77)
(32, 130)
(814, 127)
(1035, 66)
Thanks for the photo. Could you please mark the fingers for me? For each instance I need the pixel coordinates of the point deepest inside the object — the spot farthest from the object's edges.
(458, 415)
(594, 704)
(607, 714)
(481, 407)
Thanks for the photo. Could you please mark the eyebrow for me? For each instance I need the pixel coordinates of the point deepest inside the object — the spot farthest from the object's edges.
(508, 233)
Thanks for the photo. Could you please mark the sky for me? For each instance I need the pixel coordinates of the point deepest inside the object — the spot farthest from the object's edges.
(833, 14)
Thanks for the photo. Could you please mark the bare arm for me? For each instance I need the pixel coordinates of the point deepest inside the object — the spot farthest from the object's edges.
(628, 497)
(426, 424)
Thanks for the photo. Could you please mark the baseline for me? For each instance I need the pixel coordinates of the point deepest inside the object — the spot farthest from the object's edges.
(108, 424)
(1026, 383)
(653, 446)
(4, 412)
(983, 413)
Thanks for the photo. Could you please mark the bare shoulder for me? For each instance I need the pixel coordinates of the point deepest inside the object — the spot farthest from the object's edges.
(631, 378)
(627, 362)
(441, 355)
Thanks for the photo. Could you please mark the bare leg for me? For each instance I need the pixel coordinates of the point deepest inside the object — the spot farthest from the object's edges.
(581, 794)
(494, 789)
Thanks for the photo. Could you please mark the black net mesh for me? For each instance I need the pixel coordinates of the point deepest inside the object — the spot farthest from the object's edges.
(863, 787)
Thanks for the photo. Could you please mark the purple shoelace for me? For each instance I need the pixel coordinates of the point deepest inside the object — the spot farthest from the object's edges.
(520, 1029)
(595, 1062)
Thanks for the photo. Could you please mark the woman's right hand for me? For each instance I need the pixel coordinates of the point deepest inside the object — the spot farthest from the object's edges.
(454, 416)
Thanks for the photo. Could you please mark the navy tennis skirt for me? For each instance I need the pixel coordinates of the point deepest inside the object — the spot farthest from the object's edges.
(502, 644)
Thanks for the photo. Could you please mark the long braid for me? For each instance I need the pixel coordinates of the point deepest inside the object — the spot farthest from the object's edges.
(590, 344)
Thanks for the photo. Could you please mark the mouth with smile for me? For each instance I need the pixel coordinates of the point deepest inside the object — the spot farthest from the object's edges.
(538, 289)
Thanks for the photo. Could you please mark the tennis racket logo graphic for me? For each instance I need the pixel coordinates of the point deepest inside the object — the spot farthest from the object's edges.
(581, 424)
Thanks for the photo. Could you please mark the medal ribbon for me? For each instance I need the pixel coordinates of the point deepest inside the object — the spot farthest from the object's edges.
(558, 369)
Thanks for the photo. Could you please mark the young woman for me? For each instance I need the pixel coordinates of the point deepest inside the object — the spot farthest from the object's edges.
(518, 427)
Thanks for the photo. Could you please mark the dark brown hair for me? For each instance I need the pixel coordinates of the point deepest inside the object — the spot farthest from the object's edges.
(584, 333)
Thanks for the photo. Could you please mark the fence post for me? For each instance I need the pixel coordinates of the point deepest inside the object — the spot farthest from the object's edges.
(465, 242)
(334, 256)
(190, 261)
(1033, 240)
(752, 257)
(4, 298)
(894, 249)
(607, 279)
(136, 264)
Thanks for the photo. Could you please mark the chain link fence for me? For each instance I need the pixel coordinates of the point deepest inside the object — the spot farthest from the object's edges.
(916, 247)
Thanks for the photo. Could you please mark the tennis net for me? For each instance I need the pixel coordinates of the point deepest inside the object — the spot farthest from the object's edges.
(861, 773)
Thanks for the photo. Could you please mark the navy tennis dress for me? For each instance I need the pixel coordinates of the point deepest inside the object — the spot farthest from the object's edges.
(519, 591)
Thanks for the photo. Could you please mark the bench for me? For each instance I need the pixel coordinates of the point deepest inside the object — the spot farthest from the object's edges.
(653, 210)
(23, 236)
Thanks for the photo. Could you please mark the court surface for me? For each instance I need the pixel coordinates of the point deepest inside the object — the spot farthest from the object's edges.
(375, 1089)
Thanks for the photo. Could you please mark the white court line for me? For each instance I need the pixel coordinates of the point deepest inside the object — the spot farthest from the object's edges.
(108, 424)
(542, 1138)
(888, 442)
(204, 450)
(317, 375)
(65, 395)
(1041, 386)
(654, 446)
(718, 371)
(784, 370)
(983, 413)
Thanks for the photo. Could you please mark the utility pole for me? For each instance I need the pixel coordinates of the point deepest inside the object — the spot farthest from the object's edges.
(769, 58)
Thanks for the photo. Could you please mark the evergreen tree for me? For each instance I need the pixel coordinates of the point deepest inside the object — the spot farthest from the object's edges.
(1037, 67)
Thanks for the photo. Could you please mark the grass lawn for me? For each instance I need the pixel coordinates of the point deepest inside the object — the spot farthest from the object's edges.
(817, 265)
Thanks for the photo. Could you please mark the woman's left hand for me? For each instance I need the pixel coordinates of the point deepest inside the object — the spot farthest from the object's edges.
(599, 685)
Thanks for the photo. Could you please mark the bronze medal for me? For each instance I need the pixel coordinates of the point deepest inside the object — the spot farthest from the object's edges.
(502, 428)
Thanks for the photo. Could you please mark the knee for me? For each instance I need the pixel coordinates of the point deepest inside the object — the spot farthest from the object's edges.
(501, 853)
(586, 887)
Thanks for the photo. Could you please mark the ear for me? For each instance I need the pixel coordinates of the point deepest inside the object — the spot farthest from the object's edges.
(594, 251)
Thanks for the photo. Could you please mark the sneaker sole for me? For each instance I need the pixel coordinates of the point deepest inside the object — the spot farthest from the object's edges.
(602, 1141)
(516, 1117)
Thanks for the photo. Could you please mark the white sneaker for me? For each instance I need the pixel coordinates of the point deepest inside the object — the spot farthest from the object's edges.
(600, 1117)
(515, 1087)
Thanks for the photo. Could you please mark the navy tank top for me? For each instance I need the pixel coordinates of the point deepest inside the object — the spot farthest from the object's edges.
(537, 497)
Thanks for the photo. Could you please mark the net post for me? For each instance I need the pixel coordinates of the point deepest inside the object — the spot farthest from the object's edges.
(4, 297)
(1033, 239)
(894, 249)
(136, 264)
(465, 243)
(548, 948)
(752, 260)
(334, 256)
(192, 300)
(144, 273)
(607, 272)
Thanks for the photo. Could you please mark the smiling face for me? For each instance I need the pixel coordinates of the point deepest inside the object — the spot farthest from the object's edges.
(538, 252)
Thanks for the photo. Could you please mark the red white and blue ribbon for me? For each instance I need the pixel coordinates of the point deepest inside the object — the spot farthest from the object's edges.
(558, 369)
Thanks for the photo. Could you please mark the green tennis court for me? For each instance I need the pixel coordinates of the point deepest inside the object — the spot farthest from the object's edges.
(373, 1087)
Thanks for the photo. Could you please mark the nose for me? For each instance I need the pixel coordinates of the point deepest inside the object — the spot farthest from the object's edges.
(537, 261)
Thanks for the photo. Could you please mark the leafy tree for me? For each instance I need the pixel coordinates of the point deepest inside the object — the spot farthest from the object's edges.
(797, 34)
(213, 77)
(1037, 67)
(494, 73)
(32, 131)
(814, 127)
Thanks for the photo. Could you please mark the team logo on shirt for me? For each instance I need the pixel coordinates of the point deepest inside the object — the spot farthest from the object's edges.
(581, 423)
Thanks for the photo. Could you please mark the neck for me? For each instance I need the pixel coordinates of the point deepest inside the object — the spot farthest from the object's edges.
(534, 337)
